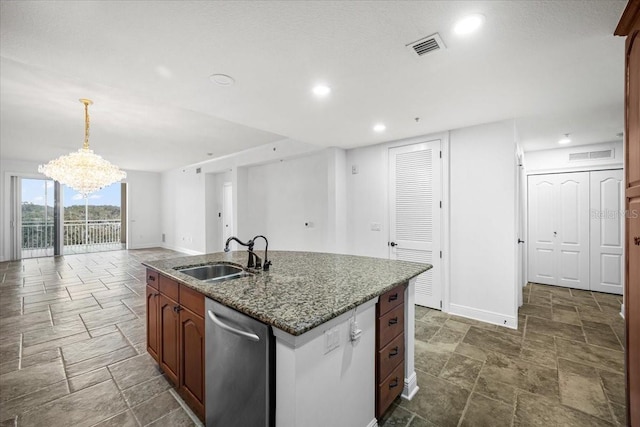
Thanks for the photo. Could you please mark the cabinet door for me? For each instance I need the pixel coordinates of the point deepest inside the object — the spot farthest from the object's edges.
(153, 301)
(169, 337)
(192, 360)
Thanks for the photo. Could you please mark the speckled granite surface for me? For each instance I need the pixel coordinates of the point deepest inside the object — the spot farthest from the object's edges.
(302, 290)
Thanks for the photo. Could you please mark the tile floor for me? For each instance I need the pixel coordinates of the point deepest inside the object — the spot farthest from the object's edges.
(73, 353)
(73, 344)
(564, 366)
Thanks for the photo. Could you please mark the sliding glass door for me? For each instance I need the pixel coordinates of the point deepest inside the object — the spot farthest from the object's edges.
(37, 218)
(50, 219)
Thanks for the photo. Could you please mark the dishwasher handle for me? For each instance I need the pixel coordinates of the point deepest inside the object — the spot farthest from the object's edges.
(248, 335)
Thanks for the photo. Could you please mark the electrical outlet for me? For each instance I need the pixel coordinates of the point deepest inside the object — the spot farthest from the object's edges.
(331, 340)
(375, 226)
(354, 169)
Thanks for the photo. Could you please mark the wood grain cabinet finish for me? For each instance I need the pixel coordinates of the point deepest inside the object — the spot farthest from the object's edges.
(191, 385)
(153, 304)
(176, 336)
(169, 327)
(389, 348)
(629, 27)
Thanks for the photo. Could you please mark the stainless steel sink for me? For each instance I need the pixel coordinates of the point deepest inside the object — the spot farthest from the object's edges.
(214, 272)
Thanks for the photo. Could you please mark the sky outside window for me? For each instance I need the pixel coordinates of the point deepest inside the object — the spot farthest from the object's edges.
(33, 191)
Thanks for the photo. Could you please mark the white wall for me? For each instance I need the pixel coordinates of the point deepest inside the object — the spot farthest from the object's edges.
(143, 204)
(557, 160)
(483, 223)
(183, 210)
(143, 200)
(482, 200)
(277, 190)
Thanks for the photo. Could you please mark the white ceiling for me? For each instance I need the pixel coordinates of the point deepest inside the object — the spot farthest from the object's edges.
(554, 66)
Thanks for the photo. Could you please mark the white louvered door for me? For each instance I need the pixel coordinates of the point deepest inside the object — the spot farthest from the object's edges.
(415, 195)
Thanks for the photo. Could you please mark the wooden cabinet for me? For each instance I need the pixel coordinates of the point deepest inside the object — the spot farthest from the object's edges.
(629, 27)
(153, 304)
(389, 348)
(175, 336)
(169, 326)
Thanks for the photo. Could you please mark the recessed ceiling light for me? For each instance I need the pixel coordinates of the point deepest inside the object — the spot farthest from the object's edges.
(222, 79)
(380, 127)
(468, 24)
(321, 90)
(565, 139)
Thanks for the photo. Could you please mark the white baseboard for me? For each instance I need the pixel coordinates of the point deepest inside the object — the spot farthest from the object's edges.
(410, 386)
(483, 315)
(144, 246)
(183, 250)
(373, 423)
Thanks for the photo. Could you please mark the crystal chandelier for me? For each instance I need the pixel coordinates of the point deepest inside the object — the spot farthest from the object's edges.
(83, 170)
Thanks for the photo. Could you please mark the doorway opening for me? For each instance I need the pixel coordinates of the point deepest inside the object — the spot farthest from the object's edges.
(94, 223)
(50, 219)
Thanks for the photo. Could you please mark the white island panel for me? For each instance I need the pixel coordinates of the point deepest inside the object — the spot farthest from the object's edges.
(335, 388)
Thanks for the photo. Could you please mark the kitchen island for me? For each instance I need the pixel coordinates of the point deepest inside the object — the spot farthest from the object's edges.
(315, 302)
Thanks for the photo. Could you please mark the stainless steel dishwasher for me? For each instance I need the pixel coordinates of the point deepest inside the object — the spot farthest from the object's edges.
(240, 369)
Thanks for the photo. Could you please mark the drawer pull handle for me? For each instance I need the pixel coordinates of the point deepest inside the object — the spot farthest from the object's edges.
(152, 278)
(393, 383)
(393, 321)
(394, 352)
(177, 308)
(393, 297)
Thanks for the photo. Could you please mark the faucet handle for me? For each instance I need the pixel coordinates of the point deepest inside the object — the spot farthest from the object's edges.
(266, 265)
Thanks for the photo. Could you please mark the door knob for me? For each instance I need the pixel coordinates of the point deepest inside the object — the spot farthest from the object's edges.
(555, 233)
(392, 244)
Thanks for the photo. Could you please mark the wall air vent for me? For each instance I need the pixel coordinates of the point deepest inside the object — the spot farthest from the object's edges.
(426, 45)
(591, 155)
(199, 170)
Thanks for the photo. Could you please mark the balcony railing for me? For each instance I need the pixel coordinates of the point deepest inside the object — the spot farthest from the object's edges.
(39, 235)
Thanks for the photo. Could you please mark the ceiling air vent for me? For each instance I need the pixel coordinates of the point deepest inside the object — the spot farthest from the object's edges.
(426, 45)
(591, 155)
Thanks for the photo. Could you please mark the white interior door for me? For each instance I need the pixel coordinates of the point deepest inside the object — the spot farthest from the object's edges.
(558, 218)
(415, 196)
(607, 231)
(542, 247)
(573, 230)
(227, 212)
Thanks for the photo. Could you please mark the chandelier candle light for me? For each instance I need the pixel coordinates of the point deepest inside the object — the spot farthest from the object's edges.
(83, 170)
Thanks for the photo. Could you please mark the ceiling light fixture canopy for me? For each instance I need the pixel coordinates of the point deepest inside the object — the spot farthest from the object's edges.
(321, 90)
(468, 24)
(83, 170)
(565, 139)
(380, 127)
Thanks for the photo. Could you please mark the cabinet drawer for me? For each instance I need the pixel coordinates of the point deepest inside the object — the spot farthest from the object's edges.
(390, 326)
(191, 299)
(152, 278)
(170, 288)
(390, 356)
(389, 389)
(391, 299)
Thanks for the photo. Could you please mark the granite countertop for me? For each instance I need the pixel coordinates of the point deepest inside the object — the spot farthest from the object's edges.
(302, 290)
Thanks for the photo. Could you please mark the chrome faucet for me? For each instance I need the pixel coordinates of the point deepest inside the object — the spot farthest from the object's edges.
(254, 260)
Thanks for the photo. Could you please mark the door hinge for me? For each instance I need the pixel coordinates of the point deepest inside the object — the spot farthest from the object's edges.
(441, 154)
(440, 204)
(440, 254)
(440, 305)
